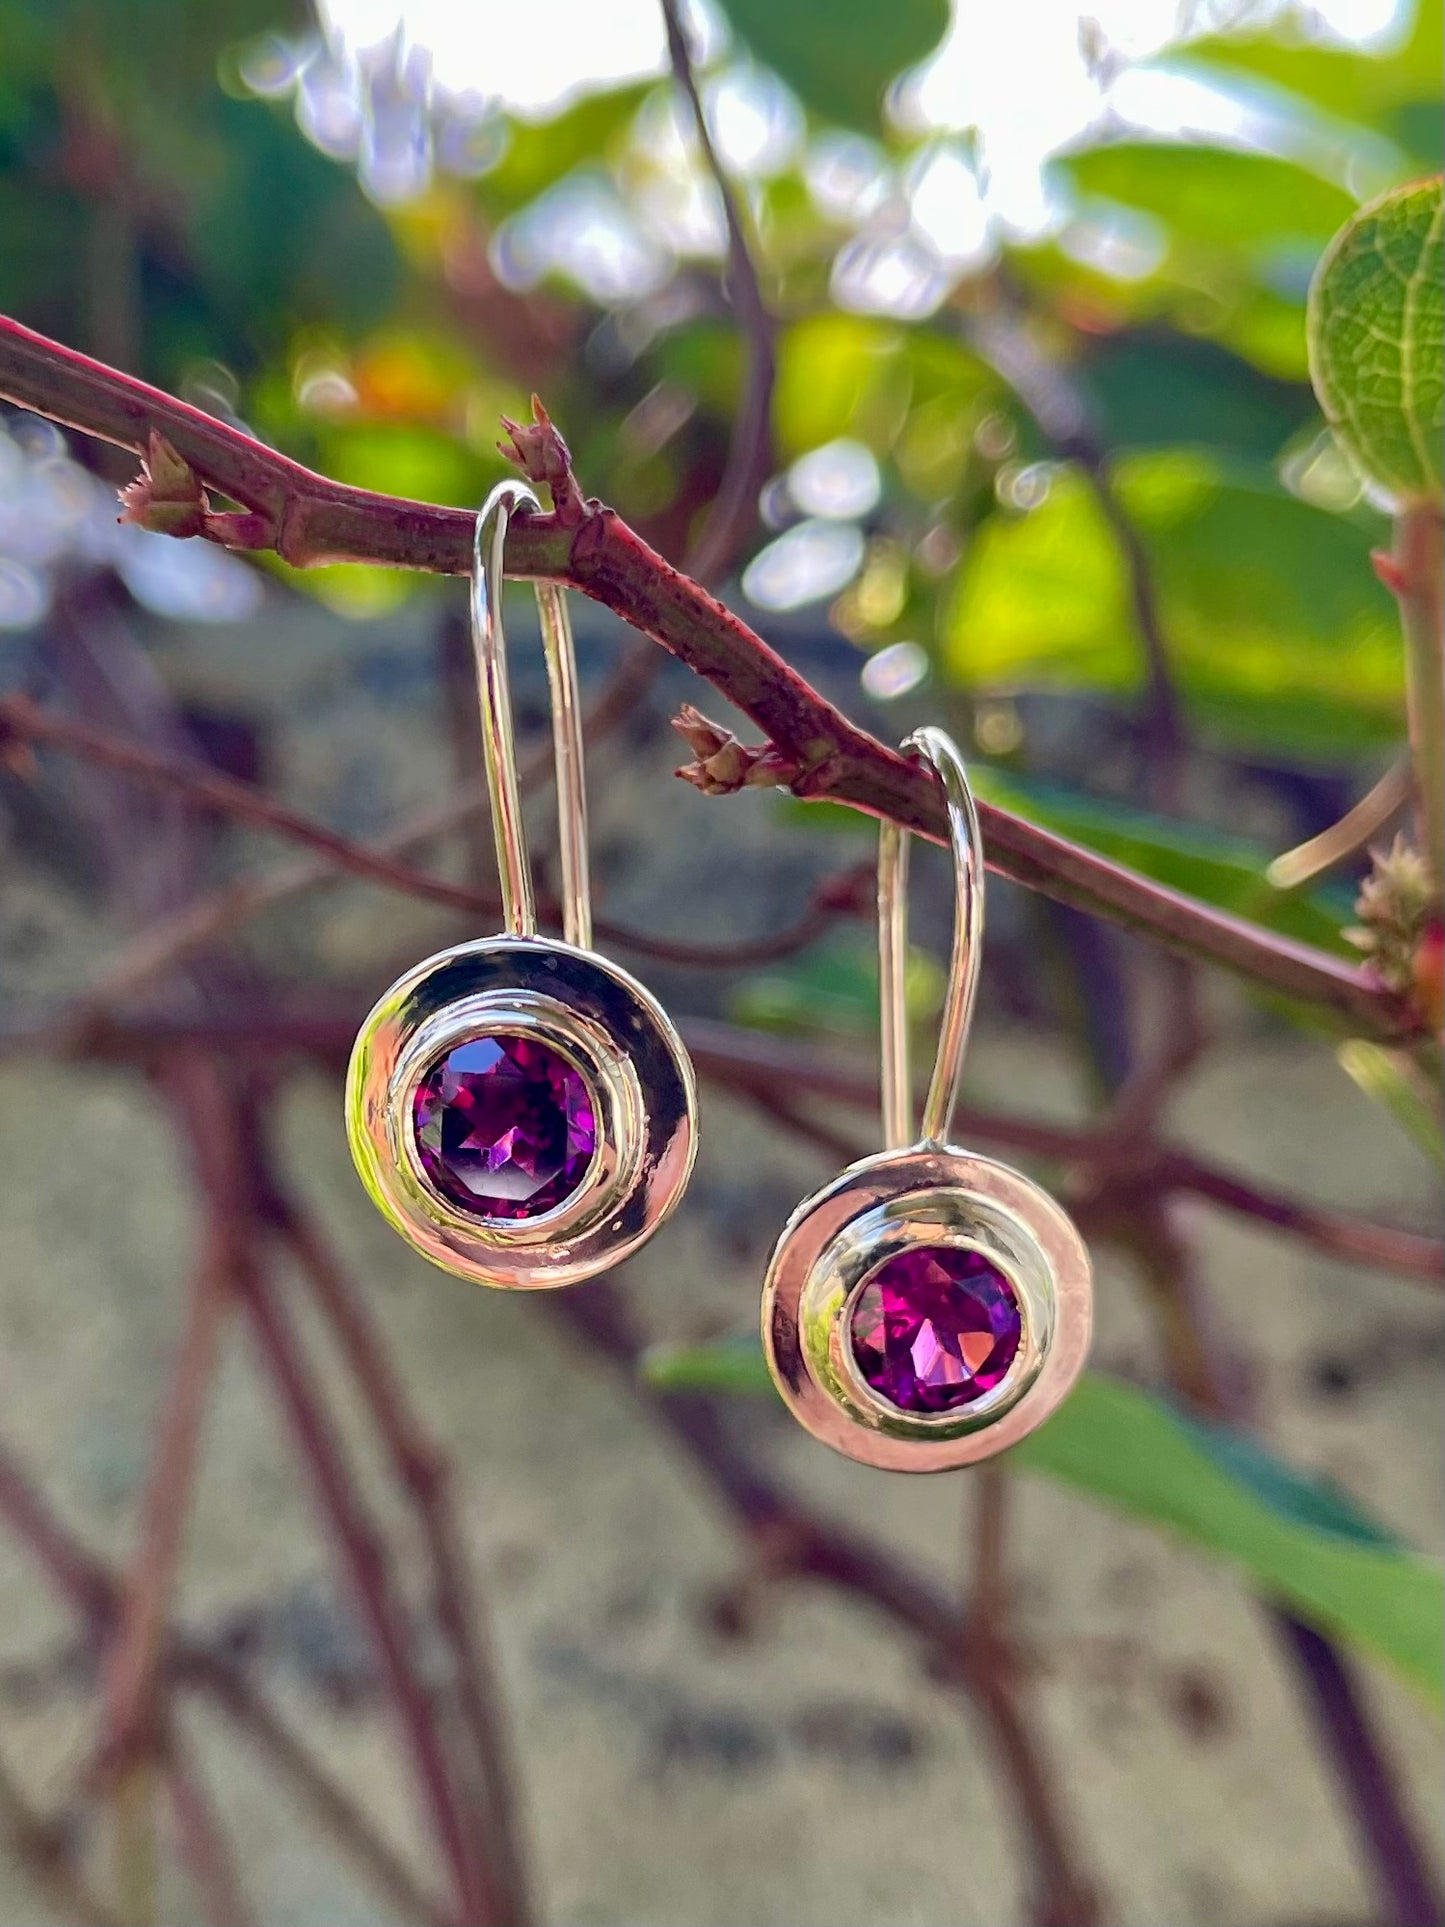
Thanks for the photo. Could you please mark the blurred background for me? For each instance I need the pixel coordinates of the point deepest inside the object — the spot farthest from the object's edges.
(1014, 433)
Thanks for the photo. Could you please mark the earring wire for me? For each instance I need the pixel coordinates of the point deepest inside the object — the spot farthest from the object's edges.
(489, 647)
(938, 750)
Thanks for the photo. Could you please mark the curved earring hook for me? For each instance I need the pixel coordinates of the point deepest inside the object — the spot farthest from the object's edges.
(489, 646)
(937, 749)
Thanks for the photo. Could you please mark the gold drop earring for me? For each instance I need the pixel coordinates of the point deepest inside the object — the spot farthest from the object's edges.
(929, 1307)
(520, 1109)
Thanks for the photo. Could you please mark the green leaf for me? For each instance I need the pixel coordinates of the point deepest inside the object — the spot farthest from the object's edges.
(1162, 390)
(734, 1366)
(1368, 85)
(839, 374)
(1243, 231)
(838, 56)
(406, 458)
(1280, 637)
(831, 990)
(1222, 198)
(1203, 863)
(539, 153)
(1393, 1080)
(1377, 337)
(1296, 1538)
(280, 235)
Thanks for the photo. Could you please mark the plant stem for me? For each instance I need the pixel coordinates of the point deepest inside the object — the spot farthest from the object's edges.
(1416, 578)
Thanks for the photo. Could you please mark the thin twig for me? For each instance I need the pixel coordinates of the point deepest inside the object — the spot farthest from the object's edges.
(169, 941)
(377, 863)
(423, 1472)
(240, 1701)
(307, 520)
(1339, 1234)
(203, 1843)
(214, 1137)
(1207, 1378)
(131, 1747)
(94, 1593)
(735, 507)
(1365, 1774)
(129, 1725)
(1046, 391)
(1413, 572)
(748, 1061)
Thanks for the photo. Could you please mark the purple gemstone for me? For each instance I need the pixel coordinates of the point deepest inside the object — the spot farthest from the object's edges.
(935, 1328)
(504, 1127)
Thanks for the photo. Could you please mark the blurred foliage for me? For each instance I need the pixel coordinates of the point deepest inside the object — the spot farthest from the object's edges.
(839, 55)
(1280, 638)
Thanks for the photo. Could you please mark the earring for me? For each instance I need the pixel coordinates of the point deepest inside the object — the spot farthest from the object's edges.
(519, 1109)
(929, 1307)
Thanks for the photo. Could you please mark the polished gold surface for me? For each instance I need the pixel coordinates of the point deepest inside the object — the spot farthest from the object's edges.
(920, 1194)
(613, 1033)
(934, 1195)
(489, 646)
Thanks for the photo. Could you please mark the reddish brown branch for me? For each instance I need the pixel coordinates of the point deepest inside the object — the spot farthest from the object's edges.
(422, 1470)
(168, 941)
(752, 1063)
(94, 1593)
(216, 1141)
(254, 1717)
(1339, 1234)
(203, 1844)
(308, 520)
(131, 1723)
(381, 864)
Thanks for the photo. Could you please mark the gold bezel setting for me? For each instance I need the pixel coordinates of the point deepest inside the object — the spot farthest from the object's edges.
(607, 1027)
(896, 1201)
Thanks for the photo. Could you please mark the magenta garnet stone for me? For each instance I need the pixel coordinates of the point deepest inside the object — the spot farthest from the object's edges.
(505, 1127)
(935, 1328)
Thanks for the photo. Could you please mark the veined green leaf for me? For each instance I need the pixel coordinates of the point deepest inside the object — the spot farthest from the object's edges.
(1296, 1538)
(1377, 339)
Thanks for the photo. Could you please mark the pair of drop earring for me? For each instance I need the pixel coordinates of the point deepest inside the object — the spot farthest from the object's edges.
(524, 1113)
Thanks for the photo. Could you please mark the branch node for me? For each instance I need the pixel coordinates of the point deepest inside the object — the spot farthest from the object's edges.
(166, 497)
(724, 764)
(539, 451)
(1400, 927)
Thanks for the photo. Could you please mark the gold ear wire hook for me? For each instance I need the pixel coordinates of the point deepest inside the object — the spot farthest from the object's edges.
(489, 647)
(939, 751)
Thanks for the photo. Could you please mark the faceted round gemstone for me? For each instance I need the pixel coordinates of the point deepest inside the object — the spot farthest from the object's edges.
(505, 1127)
(935, 1328)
